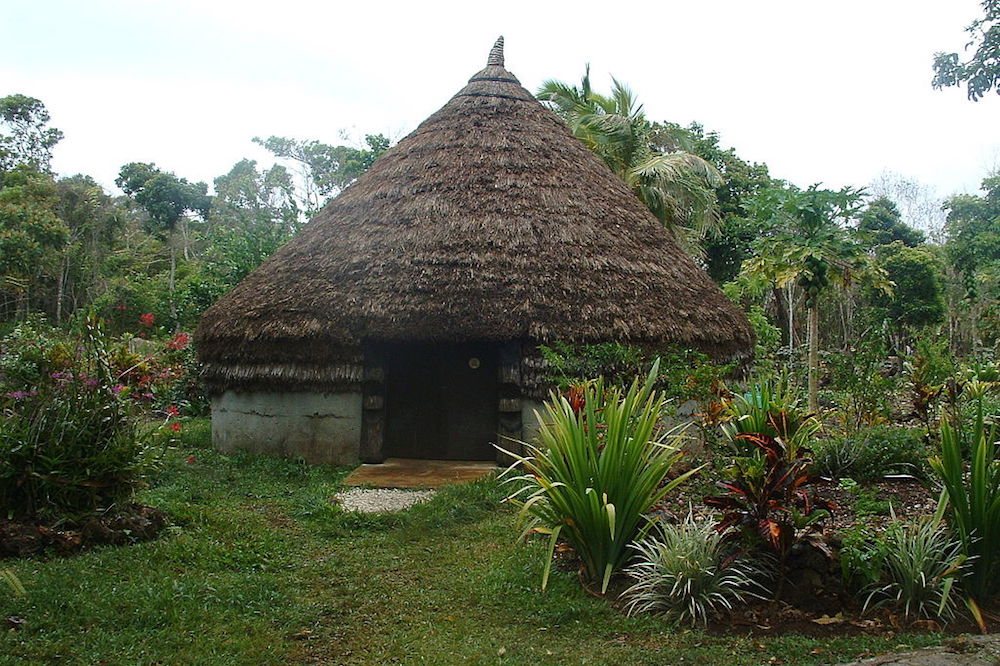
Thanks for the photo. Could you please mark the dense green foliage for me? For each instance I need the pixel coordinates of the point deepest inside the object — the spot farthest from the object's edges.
(769, 407)
(684, 374)
(973, 495)
(872, 453)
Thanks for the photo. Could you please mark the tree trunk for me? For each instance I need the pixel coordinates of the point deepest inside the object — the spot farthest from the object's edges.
(790, 293)
(813, 358)
(173, 272)
(60, 288)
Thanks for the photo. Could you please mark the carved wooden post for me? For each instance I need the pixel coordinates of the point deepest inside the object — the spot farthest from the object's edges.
(372, 408)
(509, 407)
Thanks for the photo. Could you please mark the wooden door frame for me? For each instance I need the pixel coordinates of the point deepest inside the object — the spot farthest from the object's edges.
(373, 417)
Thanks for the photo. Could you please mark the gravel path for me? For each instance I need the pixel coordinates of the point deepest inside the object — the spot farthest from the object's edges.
(380, 500)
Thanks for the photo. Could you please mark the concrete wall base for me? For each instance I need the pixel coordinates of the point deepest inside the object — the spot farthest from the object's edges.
(321, 428)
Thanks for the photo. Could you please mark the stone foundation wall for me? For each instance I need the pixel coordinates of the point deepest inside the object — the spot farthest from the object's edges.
(321, 428)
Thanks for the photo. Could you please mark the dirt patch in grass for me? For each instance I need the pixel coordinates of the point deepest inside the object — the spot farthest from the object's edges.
(129, 524)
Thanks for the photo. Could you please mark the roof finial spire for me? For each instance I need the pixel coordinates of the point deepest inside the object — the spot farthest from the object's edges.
(496, 53)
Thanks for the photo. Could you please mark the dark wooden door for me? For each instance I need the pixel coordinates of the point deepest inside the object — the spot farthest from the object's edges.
(441, 401)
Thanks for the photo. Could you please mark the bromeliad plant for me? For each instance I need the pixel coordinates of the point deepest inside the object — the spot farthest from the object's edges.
(973, 496)
(769, 408)
(685, 571)
(766, 502)
(598, 467)
(922, 563)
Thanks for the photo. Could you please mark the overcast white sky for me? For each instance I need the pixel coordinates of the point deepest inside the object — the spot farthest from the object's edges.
(830, 92)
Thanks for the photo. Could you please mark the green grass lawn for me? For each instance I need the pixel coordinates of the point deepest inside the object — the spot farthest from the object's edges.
(261, 568)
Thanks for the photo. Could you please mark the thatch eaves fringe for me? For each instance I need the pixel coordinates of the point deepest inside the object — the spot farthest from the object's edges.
(219, 377)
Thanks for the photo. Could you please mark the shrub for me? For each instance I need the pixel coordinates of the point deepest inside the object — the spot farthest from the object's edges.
(973, 495)
(765, 502)
(926, 373)
(862, 558)
(769, 408)
(922, 563)
(683, 570)
(598, 468)
(69, 446)
(30, 353)
(857, 378)
(684, 374)
(871, 454)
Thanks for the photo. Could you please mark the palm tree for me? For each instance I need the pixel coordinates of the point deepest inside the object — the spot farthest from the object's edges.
(678, 187)
(812, 250)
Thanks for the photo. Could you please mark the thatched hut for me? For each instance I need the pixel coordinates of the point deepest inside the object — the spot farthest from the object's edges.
(404, 319)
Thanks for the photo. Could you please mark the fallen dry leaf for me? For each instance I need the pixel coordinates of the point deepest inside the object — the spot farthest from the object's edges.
(826, 619)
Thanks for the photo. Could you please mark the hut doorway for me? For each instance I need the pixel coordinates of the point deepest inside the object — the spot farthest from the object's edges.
(441, 401)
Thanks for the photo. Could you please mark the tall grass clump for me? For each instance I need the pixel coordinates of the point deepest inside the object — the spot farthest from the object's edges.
(972, 491)
(685, 571)
(599, 465)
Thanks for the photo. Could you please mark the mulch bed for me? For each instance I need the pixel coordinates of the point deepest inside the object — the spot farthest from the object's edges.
(812, 602)
(128, 524)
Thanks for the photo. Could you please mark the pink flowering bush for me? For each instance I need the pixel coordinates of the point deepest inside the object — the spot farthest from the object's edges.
(69, 442)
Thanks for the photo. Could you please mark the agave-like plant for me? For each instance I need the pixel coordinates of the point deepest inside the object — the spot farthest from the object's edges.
(599, 465)
(685, 571)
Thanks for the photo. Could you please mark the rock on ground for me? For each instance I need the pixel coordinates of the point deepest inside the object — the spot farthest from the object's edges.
(962, 651)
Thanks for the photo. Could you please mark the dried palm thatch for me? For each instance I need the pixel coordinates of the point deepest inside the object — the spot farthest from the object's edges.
(489, 222)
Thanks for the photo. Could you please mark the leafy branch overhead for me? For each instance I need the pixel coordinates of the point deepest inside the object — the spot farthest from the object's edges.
(981, 72)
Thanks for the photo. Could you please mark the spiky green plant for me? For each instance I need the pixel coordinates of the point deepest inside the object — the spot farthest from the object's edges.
(683, 570)
(598, 467)
(922, 563)
(973, 495)
(772, 408)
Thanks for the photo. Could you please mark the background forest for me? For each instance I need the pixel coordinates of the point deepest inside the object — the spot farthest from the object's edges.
(875, 272)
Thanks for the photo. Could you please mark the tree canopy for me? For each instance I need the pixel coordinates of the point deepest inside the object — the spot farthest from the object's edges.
(882, 224)
(677, 186)
(323, 169)
(24, 137)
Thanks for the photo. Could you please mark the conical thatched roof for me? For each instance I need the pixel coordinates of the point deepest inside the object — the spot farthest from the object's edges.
(489, 222)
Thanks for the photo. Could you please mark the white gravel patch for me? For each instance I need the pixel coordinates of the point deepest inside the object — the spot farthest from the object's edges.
(380, 500)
